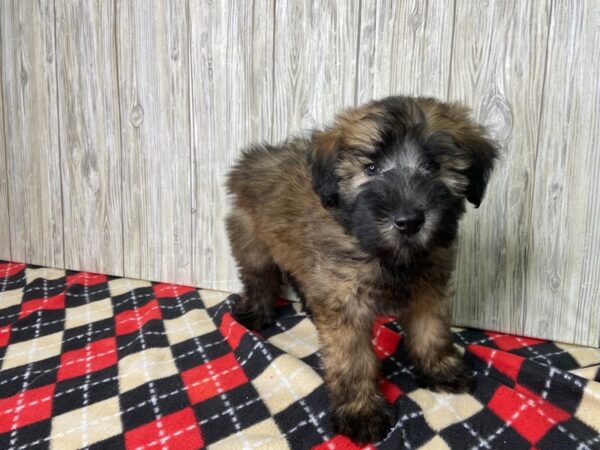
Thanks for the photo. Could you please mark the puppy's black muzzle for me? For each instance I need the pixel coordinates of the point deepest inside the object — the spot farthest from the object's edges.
(408, 221)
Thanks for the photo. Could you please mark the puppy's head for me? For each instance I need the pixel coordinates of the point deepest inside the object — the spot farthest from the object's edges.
(398, 171)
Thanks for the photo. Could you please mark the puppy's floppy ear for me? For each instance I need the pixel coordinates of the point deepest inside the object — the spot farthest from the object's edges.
(475, 153)
(323, 161)
(483, 154)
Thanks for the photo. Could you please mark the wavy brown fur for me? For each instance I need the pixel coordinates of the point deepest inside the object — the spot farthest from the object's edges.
(308, 207)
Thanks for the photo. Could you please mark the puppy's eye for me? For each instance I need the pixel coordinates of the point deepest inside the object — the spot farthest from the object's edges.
(372, 170)
(431, 166)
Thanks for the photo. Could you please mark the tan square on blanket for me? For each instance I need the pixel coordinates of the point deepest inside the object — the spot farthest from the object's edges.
(278, 385)
(86, 426)
(442, 410)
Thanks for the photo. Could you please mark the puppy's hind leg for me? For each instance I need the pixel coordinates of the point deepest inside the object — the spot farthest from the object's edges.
(260, 275)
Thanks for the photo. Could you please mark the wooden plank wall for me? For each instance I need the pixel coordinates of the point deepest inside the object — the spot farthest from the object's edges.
(119, 120)
(31, 132)
(89, 127)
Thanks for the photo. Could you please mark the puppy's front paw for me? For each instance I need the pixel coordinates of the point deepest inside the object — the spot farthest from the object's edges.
(366, 426)
(451, 374)
(251, 316)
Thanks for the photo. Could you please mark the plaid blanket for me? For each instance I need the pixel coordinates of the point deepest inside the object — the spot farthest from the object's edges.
(92, 361)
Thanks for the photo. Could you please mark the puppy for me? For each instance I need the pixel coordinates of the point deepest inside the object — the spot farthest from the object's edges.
(364, 216)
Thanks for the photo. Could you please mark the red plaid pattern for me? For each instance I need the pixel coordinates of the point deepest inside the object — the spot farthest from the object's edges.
(213, 378)
(91, 361)
(93, 357)
(177, 430)
(26, 407)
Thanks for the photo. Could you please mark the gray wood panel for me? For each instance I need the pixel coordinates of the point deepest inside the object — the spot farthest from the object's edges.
(120, 119)
(153, 60)
(88, 101)
(4, 206)
(502, 79)
(315, 63)
(31, 131)
(563, 290)
(405, 48)
(232, 104)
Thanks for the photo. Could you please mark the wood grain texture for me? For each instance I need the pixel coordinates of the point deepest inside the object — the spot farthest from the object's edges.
(231, 106)
(130, 114)
(31, 131)
(502, 80)
(563, 290)
(153, 70)
(4, 205)
(315, 63)
(405, 48)
(88, 100)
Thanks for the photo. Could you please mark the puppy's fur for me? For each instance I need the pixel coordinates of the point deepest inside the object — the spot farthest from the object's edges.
(331, 210)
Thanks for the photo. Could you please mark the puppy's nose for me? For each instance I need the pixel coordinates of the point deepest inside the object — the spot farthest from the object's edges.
(409, 221)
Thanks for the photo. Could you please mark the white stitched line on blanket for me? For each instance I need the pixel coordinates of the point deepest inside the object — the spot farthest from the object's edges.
(59, 435)
(67, 294)
(133, 341)
(244, 362)
(6, 283)
(166, 438)
(252, 444)
(501, 429)
(484, 443)
(548, 355)
(114, 302)
(65, 290)
(398, 424)
(88, 365)
(464, 421)
(162, 397)
(14, 432)
(401, 367)
(292, 391)
(536, 353)
(271, 394)
(258, 399)
(530, 403)
(550, 420)
(575, 379)
(101, 310)
(548, 383)
(35, 402)
(442, 401)
(211, 371)
(482, 341)
(490, 363)
(60, 394)
(577, 382)
(298, 339)
(149, 382)
(589, 442)
(530, 348)
(375, 340)
(301, 424)
(405, 440)
(110, 328)
(565, 374)
(541, 412)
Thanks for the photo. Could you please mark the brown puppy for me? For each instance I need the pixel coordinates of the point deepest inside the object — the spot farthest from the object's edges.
(363, 215)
